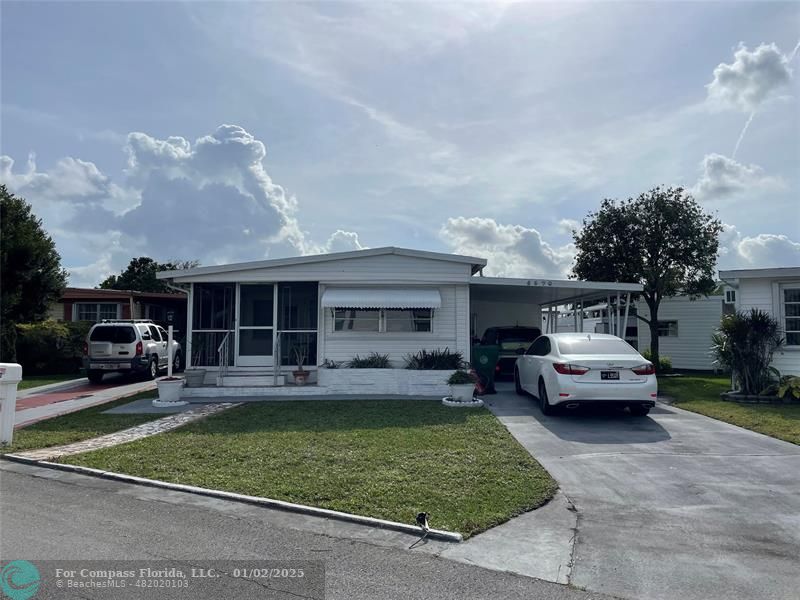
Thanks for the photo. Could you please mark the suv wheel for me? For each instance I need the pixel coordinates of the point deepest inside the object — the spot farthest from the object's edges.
(152, 368)
(95, 376)
(639, 411)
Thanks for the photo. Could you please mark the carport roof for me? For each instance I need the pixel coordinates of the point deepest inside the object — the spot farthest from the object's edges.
(546, 291)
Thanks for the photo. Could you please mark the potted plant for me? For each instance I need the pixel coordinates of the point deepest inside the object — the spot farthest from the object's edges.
(462, 386)
(195, 376)
(169, 391)
(300, 352)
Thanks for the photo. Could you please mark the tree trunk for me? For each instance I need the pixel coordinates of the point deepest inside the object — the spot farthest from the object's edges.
(654, 356)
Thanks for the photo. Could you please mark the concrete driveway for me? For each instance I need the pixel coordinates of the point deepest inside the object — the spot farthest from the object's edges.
(671, 506)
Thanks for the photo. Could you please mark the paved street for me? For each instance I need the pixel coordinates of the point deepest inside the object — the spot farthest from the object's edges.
(47, 514)
(675, 506)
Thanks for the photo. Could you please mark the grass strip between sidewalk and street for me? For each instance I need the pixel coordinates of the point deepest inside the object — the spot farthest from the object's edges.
(78, 426)
(388, 459)
(701, 394)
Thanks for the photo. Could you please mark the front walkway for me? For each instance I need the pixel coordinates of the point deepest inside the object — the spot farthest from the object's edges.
(128, 435)
(674, 506)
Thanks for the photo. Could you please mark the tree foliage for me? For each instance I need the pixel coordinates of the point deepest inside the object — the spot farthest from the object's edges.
(662, 239)
(32, 277)
(140, 275)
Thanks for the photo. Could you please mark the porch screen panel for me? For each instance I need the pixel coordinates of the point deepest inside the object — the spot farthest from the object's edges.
(212, 318)
(298, 310)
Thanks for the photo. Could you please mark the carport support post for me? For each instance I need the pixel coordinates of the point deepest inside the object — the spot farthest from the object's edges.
(608, 314)
(575, 316)
(616, 315)
(627, 308)
(169, 351)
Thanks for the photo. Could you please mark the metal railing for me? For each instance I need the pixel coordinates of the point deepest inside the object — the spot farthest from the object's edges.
(223, 352)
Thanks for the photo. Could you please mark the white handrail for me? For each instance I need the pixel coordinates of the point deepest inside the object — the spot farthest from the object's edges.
(223, 353)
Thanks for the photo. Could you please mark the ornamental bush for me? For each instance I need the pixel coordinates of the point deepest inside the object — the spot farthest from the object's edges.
(51, 347)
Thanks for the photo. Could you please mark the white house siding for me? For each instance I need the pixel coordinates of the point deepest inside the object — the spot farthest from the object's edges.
(697, 320)
(490, 313)
(765, 294)
(450, 330)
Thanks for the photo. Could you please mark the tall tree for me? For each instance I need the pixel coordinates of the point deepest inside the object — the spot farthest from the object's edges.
(140, 275)
(30, 268)
(661, 239)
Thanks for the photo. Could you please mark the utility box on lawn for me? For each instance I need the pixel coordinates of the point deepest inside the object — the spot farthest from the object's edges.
(10, 376)
(484, 361)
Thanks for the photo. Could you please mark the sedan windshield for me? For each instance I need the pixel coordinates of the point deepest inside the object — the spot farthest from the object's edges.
(594, 346)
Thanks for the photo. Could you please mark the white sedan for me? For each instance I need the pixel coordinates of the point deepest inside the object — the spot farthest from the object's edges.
(571, 369)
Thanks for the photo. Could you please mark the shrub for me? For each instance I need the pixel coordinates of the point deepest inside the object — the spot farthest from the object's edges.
(51, 347)
(372, 361)
(435, 360)
(330, 364)
(789, 388)
(461, 377)
(664, 362)
(744, 344)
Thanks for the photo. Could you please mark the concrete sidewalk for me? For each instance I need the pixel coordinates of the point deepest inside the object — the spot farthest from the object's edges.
(37, 405)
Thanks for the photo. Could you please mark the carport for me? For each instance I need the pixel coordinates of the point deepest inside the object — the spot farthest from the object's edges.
(505, 301)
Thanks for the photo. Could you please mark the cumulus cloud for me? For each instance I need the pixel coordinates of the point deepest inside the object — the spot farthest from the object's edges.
(512, 250)
(210, 200)
(762, 250)
(754, 77)
(722, 176)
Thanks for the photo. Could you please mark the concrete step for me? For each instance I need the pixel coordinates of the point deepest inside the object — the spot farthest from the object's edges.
(251, 380)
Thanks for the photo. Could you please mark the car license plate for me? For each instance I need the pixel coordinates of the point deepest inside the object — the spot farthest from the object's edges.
(609, 375)
(105, 366)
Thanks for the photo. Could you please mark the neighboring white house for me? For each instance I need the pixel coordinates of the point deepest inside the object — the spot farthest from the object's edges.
(776, 291)
(685, 328)
(245, 319)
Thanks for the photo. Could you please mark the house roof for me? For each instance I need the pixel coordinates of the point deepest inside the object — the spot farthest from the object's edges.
(72, 293)
(476, 263)
(772, 273)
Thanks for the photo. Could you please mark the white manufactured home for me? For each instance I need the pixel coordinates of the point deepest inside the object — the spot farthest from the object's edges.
(777, 292)
(246, 320)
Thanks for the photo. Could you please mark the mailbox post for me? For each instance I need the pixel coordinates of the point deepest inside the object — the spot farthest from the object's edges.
(10, 376)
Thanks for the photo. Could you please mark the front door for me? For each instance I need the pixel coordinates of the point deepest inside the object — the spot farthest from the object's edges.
(256, 325)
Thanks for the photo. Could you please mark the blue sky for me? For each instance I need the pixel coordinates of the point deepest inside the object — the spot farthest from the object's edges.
(235, 131)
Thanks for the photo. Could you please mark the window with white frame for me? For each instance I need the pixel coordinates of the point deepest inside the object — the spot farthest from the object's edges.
(387, 320)
(95, 311)
(667, 329)
(791, 315)
(730, 296)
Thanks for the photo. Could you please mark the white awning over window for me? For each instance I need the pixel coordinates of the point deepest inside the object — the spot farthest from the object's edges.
(381, 298)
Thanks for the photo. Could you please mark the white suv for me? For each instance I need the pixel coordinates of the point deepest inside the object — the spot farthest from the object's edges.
(138, 346)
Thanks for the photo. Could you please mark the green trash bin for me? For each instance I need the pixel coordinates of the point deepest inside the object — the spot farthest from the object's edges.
(484, 361)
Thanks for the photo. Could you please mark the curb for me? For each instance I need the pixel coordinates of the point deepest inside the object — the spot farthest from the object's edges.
(436, 534)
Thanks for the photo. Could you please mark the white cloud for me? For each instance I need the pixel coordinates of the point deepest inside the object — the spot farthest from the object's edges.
(753, 78)
(722, 177)
(512, 250)
(567, 226)
(762, 250)
(211, 200)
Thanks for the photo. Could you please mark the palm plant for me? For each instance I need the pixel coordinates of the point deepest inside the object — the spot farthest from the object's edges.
(744, 344)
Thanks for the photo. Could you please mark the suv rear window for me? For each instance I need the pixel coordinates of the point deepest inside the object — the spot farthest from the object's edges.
(518, 334)
(116, 334)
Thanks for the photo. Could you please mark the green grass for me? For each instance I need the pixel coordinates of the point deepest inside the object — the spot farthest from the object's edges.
(700, 394)
(77, 426)
(32, 381)
(386, 459)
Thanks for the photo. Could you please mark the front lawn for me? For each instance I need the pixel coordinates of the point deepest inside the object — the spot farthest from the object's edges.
(382, 458)
(32, 381)
(700, 394)
(78, 426)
